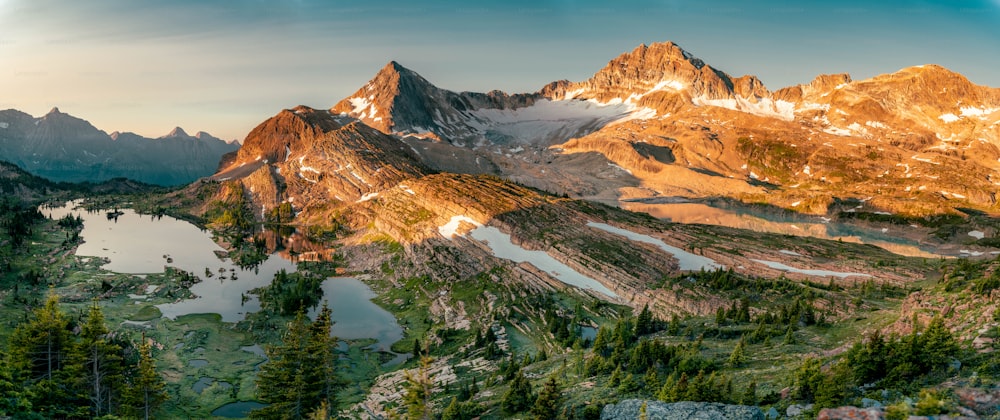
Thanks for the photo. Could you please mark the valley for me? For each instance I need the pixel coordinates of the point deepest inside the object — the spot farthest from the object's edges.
(660, 233)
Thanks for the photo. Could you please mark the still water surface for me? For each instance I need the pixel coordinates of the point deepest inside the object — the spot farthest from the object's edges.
(138, 244)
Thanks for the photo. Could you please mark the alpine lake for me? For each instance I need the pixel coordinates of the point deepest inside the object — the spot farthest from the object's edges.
(193, 302)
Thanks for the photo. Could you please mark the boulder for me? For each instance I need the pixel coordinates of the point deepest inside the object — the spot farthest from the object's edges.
(630, 409)
(851, 413)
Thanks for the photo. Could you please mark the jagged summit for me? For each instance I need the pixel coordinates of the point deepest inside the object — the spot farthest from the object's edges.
(53, 111)
(398, 100)
(177, 132)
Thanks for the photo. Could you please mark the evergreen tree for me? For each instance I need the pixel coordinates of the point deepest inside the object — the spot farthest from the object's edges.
(616, 376)
(146, 391)
(300, 375)
(789, 335)
(938, 344)
(323, 380)
(281, 381)
(416, 348)
(548, 402)
(750, 395)
(808, 379)
(519, 396)
(644, 324)
(451, 412)
(38, 350)
(418, 392)
(667, 390)
(737, 357)
(675, 325)
(460, 410)
(96, 364)
(39, 347)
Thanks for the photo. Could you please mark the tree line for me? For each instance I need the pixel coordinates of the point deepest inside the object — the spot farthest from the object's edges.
(58, 367)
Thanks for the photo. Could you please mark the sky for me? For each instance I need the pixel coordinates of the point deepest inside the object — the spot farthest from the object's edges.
(224, 66)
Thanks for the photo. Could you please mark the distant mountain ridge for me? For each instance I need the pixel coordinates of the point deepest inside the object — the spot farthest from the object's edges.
(62, 147)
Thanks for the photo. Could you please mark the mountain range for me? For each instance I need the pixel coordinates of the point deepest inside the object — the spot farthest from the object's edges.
(62, 147)
(655, 123)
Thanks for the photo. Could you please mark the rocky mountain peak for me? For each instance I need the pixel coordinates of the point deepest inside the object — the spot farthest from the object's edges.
(53, 111)
(662, 68)
(177, 132)
(395, 91)
(203, 136)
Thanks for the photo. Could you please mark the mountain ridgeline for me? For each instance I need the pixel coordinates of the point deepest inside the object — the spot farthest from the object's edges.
(61, 147)
(658, 122)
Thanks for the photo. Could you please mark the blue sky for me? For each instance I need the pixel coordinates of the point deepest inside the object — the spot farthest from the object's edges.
(225, 66)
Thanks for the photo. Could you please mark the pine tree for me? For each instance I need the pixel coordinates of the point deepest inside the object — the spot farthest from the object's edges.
(750, 395)
(146, 391)
(519, 396)
(323, 382)
(38, 349)
(548, 401)
(416, 348)
(96, 364)
(644, 323)
(452, 411)
(737, 357)
(667, 391)
(418, 392)
(616, 376)
(300, 377)
(40, 346)
(790, 335)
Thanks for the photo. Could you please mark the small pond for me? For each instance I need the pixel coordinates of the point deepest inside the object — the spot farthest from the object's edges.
(237, 410)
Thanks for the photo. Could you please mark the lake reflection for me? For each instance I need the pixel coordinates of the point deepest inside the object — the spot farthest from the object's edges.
(355, 316)
(138, 244)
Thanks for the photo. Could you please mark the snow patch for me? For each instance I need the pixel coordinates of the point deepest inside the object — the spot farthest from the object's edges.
(812, 106)
(572, 94)
(686, 260)
(977, 234)
(980, 112)
(764, 107)
(548, 120)
(808, 272)
(792, 253)
(925, 160)
(876, 124)
(619, 168)
(4, 125)
(367, 197)
(450, 229)
(949, 118)
(837, 131)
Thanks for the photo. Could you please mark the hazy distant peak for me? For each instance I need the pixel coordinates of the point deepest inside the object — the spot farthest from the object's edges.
(177, 132)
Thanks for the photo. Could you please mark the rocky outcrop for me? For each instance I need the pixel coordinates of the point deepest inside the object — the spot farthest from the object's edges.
(984, 402)
(631, 409)
(851, 413)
